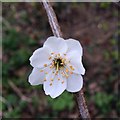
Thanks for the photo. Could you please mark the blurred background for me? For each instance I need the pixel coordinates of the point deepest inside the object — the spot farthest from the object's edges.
(25, 27)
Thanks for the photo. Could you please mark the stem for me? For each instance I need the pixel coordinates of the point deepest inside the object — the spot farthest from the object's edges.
(52, 19)
(57, 32)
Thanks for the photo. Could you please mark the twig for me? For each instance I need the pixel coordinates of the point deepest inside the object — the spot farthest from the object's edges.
(57, 32)
(82, 105)
(19, 93)
(52, 19)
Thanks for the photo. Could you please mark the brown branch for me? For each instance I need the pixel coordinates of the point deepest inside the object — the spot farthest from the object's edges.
(82, 105)
(57, 32)
(52, 19)
(18, 92)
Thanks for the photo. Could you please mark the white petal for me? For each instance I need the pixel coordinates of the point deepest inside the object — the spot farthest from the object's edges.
(46, 85)
(74, 83)
(76, 61)
(40, 57)
(57, 45)
(74, 45)
(57, 87)
(36, 77)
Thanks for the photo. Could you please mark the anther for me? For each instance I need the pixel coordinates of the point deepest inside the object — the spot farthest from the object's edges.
(52, 53)
(58, 78)
(62, 82)
(71, 72)
(45, 80)
(41, 70)
(45, 65)
(51, 66)
(56, 73)
(67, 70)
(71, 67)
(66, 75)
(58, 54)
(51, 79)
(50, 58)
(50, 84)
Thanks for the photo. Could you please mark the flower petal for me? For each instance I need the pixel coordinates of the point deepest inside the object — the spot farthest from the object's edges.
(56, 87)
(76, 61)
(74, 45)
(40, 57)
(57, 45)
(36, 77)
(59, 87)
(74, 83)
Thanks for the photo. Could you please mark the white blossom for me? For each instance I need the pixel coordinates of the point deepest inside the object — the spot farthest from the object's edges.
(58, 66)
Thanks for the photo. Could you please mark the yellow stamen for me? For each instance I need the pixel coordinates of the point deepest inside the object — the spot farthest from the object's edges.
(71, 72)
(52, 53)
(50, 58)
(58, 54)
(57, 66)
(71, 67)
(46, 72)
(58, 78)
(50, 84)
(66, 75)
(67, 70)
(51, 66)
(56, 73)
(41, 70)
(51, 79)
(62, 82)
(63, 60)
(63, 74)
(45, 65)
(45, 80)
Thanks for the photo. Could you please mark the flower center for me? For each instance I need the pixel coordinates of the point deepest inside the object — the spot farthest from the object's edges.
(58, 63)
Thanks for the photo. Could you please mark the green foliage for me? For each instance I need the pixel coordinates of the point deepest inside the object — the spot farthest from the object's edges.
(104, 5)
(65, 101)
(16, 107)
(0, 105)
(16, 49)
(115, 54)
(12, 99)
(118, 105)
(103, 101)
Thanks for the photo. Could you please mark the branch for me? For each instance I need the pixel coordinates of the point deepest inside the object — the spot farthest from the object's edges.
(57, 32)
(18, 92)
(52, 19)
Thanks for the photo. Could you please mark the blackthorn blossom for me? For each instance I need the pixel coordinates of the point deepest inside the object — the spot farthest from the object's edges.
(58, 66)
